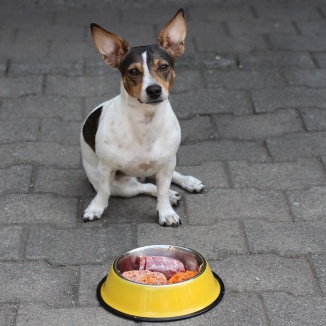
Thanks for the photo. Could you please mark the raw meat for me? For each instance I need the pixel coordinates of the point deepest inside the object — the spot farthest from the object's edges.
(165, 265)
(145, 277)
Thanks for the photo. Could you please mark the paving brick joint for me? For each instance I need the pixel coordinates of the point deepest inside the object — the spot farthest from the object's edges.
(250, 95)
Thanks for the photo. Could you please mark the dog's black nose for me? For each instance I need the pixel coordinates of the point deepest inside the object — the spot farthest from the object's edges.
(154, 91)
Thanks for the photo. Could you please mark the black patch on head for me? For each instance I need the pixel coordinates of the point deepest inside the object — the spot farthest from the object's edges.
(135, 55)
(90, 127)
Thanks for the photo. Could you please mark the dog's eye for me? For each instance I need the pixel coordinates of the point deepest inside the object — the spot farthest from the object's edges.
(133, 72)
(164, 67)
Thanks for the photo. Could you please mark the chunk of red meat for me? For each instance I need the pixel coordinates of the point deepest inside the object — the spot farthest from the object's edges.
(165, 265)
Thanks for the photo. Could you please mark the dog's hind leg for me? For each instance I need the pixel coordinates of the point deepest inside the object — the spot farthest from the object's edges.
(187, 182)
(125, 186)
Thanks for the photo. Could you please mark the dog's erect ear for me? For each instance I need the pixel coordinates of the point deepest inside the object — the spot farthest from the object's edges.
(172, 37)
(111, 46)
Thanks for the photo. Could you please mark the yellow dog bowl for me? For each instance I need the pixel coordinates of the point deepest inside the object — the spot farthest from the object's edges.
(160, 302)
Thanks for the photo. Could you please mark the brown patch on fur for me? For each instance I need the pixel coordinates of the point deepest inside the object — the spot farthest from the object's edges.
(146, 166)
(133, 83)
(164, 77)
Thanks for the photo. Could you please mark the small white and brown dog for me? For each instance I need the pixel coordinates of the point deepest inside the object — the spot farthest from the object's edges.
(136, 134)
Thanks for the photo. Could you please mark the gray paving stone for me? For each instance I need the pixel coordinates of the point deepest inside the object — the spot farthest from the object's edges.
(297, 43)
(308, 205)
(212, 174)
(320, 59)
(302, 77)
(245, 80)
(10, 244)
(196, 154)
(222, 238)
(63, 182)
(27, 34)
(3, 66)
(8, 314)
(234, 309)
(18, 130)
(286, 238)
(90, 276)
(39, 66)
(153, 14)
(267, 100)
(38, 282)
(226, 44)
(96, 66)
(235, 12)
(264, 273)
(313, 27)
(15, 178)
(68, 109)
(277, 176)
(86, 17)
(19, 86)
(200, 29)
(77, 246)
(260, 26)
(40, 153)
(10, 18)
(33, 209)
(72, 50)
(210, 101)
(197, 128)
(210, 60)
(7, 35)
(184, 81)
(35, 49)
(319, 265)
(283, 309)
(80, 86)
(314, 119)
(236, 204)
(259, 126)
(275, 59)
(282, 12)
(62, 132)
(293, 146)
(37, 315)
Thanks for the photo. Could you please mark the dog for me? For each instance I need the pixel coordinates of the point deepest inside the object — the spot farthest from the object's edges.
(136, 134)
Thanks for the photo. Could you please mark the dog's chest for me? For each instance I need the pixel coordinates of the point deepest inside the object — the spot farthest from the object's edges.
(137, 154)
(134, 158)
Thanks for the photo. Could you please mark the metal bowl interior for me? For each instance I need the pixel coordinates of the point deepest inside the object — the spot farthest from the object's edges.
(190, 258)
(142, 302)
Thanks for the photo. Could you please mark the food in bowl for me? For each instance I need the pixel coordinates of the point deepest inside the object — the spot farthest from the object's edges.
(145, 277)
(159, 270)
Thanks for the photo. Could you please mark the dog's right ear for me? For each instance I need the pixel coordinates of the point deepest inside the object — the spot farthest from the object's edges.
(111, 46)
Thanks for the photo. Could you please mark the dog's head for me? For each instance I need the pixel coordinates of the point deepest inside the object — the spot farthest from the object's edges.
(147, 71)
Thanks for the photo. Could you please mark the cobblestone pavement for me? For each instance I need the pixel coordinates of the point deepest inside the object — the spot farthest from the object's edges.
(250, 95)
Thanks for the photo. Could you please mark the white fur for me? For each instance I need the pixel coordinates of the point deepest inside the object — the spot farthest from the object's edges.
(130, 142)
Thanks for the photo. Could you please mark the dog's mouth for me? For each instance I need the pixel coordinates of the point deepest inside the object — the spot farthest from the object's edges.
(150, 101)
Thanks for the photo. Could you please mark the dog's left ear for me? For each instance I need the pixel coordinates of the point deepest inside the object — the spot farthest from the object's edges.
(172, 37)
(111, 46)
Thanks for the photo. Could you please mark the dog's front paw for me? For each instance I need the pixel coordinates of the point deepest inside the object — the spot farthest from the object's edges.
(92, 213)
(192, 184)
(169, 218)
(174, 198)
